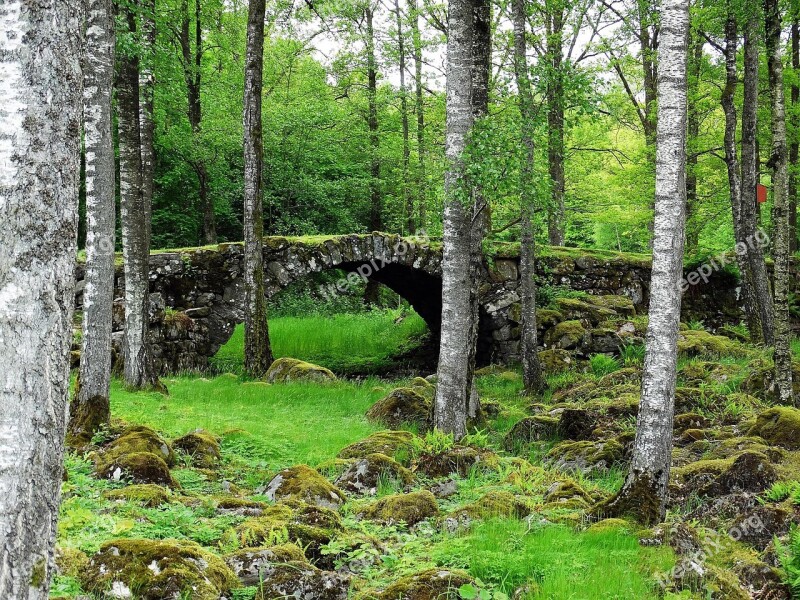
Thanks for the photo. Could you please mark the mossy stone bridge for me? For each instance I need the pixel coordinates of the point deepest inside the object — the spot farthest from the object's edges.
(197, 293)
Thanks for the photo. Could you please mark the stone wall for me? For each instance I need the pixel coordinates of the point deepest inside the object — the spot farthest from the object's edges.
(197, 294)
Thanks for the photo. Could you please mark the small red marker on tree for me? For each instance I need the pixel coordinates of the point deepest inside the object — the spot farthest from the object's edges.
(761, 193)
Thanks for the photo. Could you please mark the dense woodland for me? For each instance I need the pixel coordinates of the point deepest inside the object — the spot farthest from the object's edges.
(343, 447)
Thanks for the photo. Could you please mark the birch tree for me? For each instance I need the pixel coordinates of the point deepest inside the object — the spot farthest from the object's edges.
(90, 408)
(257, 349)
(531, 369)
(645, 490)
(41, 87)
(780, 205)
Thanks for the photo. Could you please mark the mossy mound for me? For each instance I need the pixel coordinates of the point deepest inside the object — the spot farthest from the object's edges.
(734, 446)
(282, 524)
(761, 381)
(157, 570)
(403, 508)
(574, 309)
(686, 421)
(396, 444)
(586, 456)
(248, 564)
(303, 483)
(148, 494)
(286, 369)
(567, 335)
(702, 343)
(622, 305)
(403, 406)
(458, 459)
(364, 475)
(555, 361)
(530, 429)
(139, 438)
(433, 584)
(242, 507)
(709, 372)
(423, 387)
(70, 562)
(136, 467)
(609, 525)
(577, 423)
(746, 472)
(567, 491)
(779, 426)
(494, 504)
(202, 446)
(302, 581)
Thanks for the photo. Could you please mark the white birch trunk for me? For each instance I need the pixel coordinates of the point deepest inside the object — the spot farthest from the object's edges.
(40, 86)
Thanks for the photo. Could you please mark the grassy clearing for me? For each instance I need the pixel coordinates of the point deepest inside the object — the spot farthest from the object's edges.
(344, 343)
(557, 562)
(275, 425)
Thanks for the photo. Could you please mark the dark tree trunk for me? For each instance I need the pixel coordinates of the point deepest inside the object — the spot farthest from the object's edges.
(419, 109)
(780, 205)
(408, 199)
(257, 348)
(376, 212)
(695, 64)
(139, 371)
(529, 345)
(90, 407)
(749, 204)
(555, 123)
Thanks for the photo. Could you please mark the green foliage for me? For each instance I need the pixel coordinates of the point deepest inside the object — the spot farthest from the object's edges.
(789, 554)
(602, 364)
(632, 355)
(783, 490)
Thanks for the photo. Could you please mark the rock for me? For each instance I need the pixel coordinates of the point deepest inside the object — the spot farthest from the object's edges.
(574, 309)
(494, 504)
(406, 508)
(284, 370)
(250, 563)
(423, 387)
(779, 426)
(202, 447)
(684, 540)
(241, 507)
(148, 495)
(747, 472)
(458, 459)
(138, 438)
(567, 491)
(621, 305)
(433, 584)
(157, 570)
(444, 489)
(609, 525)
(759, 526)
(703, 343)
(586, 456)
(70, 562)
(603, 341)
(365, 474)
(762, 581)
(403, 406)
(761, 381)
(716, 510)
(301, 581)
(567, 335)
(577, 424)
(137, 467)
(390, 443)
(303, 483)
(555, 361)
(689, 421)
(530, 429)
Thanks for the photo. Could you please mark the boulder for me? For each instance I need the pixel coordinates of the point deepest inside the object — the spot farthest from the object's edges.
(530, 429)
(567, 335)
(157, 570)
(458, 459)
(586, 456)
(433, 584)
(779, 426)
(577, 423)
(494, 504)
(301, 581)
(403, 508)
(403, 406)
(555, 361)
(137, 467)
(390, 443)
(747, 472)
(702, 343)
(568, 492)
(761, 525)
(284, 370)
(248, 564)
(364, 475)
(202, 447)
(303, 483)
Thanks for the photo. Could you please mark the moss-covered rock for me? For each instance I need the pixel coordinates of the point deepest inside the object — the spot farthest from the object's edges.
(287, 369)
(135, 439)
(567, 335)
(607, 525)
(555, 361)
(423, 387)
(693, 342)
(70, 562)
(779, 426)
(299, 580)
(586, 456)
(157, 570)
(365, 474)
(493, 504)
(202, 446)
(761, 381)
(433, 584)
(136, 467)
(242, 507)
(530, 429)
(458, 459)
(403, 406)
(148, 495)
(622, 305)
(249, 563)
(406, 508)
(566, 491)
(747, 472)
(577, 423)
(303, 483)
(574, 309)
(685, 421)
(396, 444)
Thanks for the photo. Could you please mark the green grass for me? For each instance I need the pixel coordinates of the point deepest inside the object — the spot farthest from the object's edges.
(344, 343)
(274, 425)
(558, 561)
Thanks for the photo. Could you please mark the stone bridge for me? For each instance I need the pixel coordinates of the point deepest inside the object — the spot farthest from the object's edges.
(197, 294)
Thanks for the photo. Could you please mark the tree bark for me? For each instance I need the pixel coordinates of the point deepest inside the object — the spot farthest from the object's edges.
(419, 109)
(555, 122)
(146, 105)
(645, 490)
(532, 377)
(794, 147)
(695, 65)
(139, 371)
(408, 199)
(749, 204)
(257, 348)
(90, 407)
(780, 205)
(454, 378)
(376, 217)
(734, 180)
(41, 86)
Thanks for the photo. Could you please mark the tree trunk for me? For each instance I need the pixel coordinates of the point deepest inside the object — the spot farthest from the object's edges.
(90, 407)
(749, 204)
(41, 85)
(780, 205)
(419, 108)
(529, 345)
(794, 147)
(375, 219)
(645, 490)
(695, 64)
(408, 199)
(734, 181)
(454, 382)
(257, 348)
(139, 371)
(146, 105)
(555, 124)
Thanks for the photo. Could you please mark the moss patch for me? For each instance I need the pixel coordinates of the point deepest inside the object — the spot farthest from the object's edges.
(406, 508)
(779, 426)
